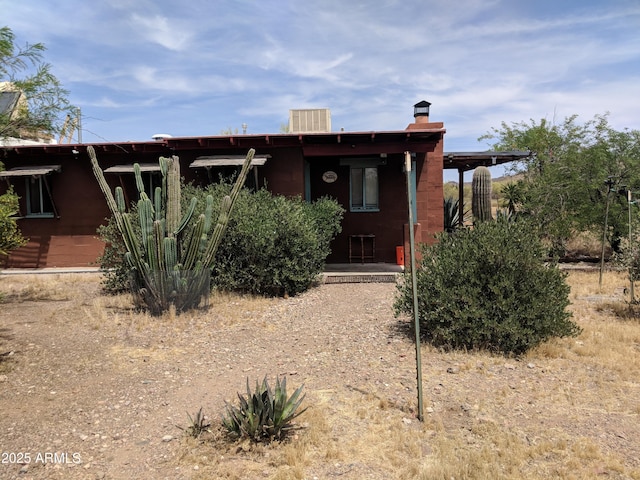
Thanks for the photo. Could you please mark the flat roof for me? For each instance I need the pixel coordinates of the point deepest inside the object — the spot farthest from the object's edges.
(470, 160)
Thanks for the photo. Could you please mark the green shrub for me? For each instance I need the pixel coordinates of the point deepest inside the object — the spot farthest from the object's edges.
(116, 273)
(10, 236)
(273, 245)
(265, 414)
(489, 288)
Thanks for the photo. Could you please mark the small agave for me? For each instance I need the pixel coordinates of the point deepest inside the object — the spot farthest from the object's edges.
(264, 414)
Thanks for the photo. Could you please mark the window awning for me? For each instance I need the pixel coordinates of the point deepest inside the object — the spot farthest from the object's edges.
(144, 167)
(31, 171)
(227, 161)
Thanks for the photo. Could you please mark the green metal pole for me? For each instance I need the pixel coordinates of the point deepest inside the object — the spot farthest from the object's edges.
(631, 292)
(414, 284)
(604, 234)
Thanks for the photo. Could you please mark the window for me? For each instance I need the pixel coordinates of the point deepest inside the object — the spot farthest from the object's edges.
(364, 189)
(151, 180)
(39, 202)
(37, 193)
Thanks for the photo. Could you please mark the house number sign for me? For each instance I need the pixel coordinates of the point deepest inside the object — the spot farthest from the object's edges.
(329, 176)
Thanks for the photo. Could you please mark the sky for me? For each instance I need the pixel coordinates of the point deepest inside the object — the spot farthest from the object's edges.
(142, 67)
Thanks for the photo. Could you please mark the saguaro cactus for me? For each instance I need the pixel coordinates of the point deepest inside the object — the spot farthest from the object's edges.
(171, 258)
(481, 194)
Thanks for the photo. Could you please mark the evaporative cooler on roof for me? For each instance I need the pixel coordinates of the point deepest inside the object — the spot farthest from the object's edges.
(316, 120)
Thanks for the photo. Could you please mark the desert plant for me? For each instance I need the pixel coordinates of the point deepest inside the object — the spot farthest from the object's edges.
(452, 214)
(489, 288)
(198, 424)
(265, 414)
(10, 236)
(170, 263)
(273, 245)
(481, 194)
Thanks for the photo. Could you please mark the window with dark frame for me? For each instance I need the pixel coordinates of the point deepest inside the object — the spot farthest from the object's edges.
(364, 189)
(151, 180)
(38, 195)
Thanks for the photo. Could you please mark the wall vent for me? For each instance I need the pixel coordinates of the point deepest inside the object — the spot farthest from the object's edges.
(310, 120)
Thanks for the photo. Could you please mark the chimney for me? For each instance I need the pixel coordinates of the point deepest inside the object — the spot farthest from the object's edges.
(421, 112)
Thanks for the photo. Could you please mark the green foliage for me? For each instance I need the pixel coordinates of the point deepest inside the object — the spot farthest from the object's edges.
(481, 195)
(10, 236)
(512, 196)
(563, 189)
(170, 257)
(489, 288)
(628, 256)
(44, 101)
(198, 424)
(265, 414)
(451, 214)
(274, 245)
(116, 273)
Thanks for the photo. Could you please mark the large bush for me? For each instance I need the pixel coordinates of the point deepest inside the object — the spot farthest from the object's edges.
(489, 288)
(273, 245)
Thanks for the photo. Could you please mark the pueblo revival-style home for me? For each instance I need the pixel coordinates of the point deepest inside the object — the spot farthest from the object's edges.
(61, 205)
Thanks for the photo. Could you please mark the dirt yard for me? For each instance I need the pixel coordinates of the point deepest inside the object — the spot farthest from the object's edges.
(90, 389)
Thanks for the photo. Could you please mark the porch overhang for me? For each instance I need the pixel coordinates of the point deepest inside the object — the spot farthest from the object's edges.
(144, 167)
(30, 171)
(210, 161)
(465, 161)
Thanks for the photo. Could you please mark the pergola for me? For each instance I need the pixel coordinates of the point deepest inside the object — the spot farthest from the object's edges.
(465, 161)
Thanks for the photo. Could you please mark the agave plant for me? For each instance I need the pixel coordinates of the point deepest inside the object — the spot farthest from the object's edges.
(452, 214)
(265, 414)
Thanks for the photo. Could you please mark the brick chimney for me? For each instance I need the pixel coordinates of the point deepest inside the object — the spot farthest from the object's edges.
(421, 112)
(421, 115)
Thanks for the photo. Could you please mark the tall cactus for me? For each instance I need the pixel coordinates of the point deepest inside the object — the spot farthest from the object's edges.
(171, 258)
(481, 195)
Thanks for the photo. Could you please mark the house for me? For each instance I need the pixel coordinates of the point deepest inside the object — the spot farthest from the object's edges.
(61, 205)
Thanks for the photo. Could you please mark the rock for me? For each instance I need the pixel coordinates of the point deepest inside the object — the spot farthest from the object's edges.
(453, 370)
(3, 378)
(167, 438)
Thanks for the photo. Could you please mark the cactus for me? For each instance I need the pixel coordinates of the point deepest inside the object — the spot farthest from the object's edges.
(172, 257)
(481, 195)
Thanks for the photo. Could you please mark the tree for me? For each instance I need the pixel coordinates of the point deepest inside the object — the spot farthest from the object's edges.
(575, 171)
(32, 100)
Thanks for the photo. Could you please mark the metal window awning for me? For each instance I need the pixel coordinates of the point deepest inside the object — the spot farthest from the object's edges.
(31, 171)
(227, 161)
(144, 167)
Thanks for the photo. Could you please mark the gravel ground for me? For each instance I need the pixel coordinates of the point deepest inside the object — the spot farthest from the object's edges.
(91, 390)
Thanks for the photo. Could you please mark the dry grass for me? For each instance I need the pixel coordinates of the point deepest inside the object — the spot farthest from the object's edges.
(568, 410)
(54, 287)
(354, 434)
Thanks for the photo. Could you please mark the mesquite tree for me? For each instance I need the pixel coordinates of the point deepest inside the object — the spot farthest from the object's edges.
(172, 256)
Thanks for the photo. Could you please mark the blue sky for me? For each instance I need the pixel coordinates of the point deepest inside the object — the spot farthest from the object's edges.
(141, 67)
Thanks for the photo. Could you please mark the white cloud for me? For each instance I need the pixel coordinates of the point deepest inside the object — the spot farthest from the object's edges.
(478, 62)
(161, 30)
